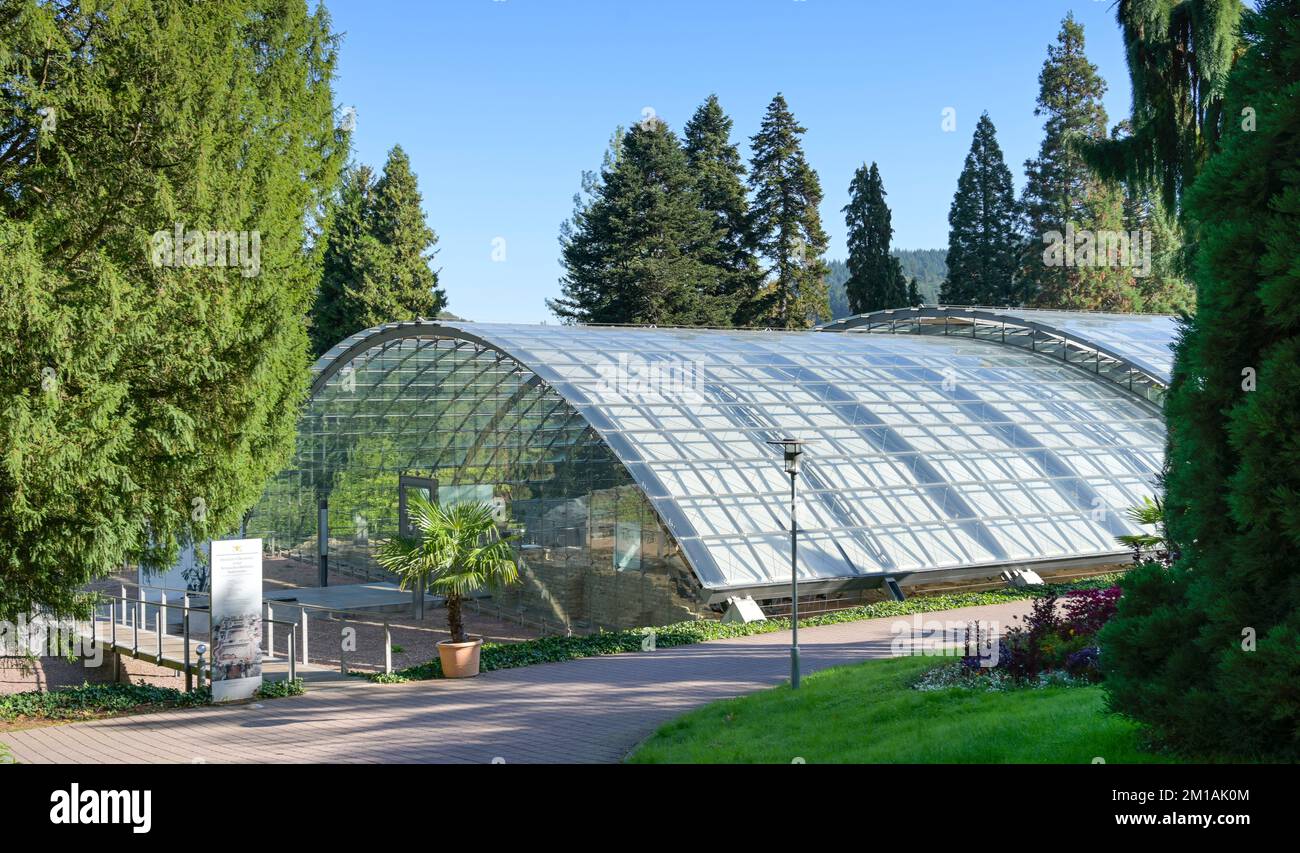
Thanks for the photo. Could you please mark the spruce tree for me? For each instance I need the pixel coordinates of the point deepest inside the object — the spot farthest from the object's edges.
(378, 250)
(719, 174)
(406, 285)
(984, 237)
(787, 226)
(876, 280)
(1207, 653)
(643, 249)
(149, 387)
(350, 253)
(1063, 194)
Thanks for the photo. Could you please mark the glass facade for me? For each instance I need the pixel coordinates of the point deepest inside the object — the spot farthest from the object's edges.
(635, 460)
(464, 422)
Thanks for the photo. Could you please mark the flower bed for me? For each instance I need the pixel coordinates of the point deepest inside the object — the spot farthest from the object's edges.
(1055, 645)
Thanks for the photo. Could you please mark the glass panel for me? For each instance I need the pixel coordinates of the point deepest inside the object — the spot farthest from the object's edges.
(638, 471)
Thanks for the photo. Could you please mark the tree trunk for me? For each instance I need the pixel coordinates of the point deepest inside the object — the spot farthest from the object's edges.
(455, 622)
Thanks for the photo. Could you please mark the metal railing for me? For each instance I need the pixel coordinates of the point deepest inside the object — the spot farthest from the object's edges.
(134, 617)
(303, 624)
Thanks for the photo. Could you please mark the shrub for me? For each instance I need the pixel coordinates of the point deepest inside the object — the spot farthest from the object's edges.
(1055, 638)
(280, 689)
(1086, 610)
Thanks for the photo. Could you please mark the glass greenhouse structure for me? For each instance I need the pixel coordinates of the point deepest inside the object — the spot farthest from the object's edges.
(634, 462)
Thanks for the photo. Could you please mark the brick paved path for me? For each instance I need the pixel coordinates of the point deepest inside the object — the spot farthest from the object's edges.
(590, 710)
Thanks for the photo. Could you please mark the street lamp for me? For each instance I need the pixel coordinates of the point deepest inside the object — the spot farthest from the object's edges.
(793, 449)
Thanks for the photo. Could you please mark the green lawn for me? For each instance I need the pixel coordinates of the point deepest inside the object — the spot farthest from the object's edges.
(869, 713)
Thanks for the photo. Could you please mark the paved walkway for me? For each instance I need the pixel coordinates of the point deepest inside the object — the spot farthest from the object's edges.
(589, 710)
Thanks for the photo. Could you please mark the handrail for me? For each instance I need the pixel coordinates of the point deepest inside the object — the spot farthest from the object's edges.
(140, 610)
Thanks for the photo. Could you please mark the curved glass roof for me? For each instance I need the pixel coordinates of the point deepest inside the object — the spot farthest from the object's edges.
(927, 453)
(1145, 339)
(1132, 351)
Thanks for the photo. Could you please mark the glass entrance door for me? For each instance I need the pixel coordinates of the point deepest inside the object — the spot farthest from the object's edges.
(428, 488)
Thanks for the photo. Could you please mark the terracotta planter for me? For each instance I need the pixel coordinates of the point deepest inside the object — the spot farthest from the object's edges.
(460, 660)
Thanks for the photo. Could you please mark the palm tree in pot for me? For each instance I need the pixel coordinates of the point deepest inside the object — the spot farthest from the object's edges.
(457, 551)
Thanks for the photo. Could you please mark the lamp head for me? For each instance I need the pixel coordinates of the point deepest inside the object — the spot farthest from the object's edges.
(792, 449)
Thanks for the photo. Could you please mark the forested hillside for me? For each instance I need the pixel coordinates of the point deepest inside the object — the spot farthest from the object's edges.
(925, 265)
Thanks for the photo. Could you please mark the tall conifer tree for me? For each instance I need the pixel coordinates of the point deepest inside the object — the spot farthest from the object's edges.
(719, 174)
(1063, 194)
(642, 249)
(378, 251)
(984, 237)
(1179, 55)
(787, 225)
(350, 251)
(876, 280)
(149, 387)
(408, 286)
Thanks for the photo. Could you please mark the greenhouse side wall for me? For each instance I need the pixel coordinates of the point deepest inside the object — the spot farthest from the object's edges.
(475, 426)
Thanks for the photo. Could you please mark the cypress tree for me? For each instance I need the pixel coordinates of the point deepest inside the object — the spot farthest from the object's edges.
(719, 174)
(149, 386)
(1207, 653)
(1179, 55)
(984, 239)
(1167, 289)
(876, 280)
(1062, 192)
(787, 225)
(642, 249)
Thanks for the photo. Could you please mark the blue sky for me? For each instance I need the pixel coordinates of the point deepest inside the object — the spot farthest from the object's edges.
(502, 104)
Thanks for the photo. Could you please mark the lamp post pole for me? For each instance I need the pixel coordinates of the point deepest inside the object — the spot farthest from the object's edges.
(794, 587)
(792, 449)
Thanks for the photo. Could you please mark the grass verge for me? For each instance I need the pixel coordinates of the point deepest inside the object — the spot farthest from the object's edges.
(869, 713)
(552, 649)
